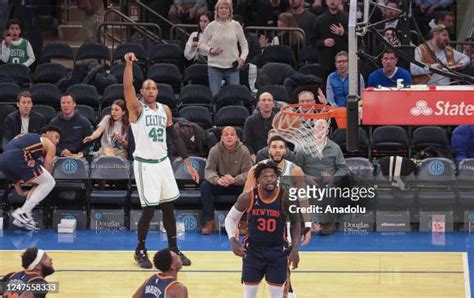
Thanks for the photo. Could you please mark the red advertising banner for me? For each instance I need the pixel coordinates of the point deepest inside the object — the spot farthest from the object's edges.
(425, 106)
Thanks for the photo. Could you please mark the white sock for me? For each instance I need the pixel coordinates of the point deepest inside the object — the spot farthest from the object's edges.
(250, 291)
(45, 185)
(291, 295)
(277, 292)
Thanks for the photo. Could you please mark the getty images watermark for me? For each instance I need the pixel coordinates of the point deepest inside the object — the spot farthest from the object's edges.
(332, 199)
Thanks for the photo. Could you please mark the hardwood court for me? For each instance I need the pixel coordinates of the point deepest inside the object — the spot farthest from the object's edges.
(217, 274)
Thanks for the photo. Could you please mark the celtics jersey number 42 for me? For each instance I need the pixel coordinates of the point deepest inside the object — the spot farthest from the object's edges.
(149, 132)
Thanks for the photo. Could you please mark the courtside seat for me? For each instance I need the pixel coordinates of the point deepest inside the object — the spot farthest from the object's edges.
(234, 95)
(435, 181)
(190, 194)
(339, 136)
(9, 93)
(465, 183)
(109, 181)
(85, 95)
(196, 95)
(390, 140)
(429, 136)
(198, 115)
(48, 112)
(232, 116)
(45, 94)
(72, 181)
(111, 93)
(361, 167)
(196, 74)
(15, 73)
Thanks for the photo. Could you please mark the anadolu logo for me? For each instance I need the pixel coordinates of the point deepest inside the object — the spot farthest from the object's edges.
(442, 108)
(421, 108)
(436, 168)
(69, 166)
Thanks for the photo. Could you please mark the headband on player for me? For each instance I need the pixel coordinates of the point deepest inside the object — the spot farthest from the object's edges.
(37, 260)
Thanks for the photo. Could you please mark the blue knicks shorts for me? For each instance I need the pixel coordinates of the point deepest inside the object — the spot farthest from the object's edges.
(16, 168)
(268, 261)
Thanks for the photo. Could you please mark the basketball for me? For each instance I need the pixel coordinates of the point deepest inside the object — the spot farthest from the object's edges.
(285, 121)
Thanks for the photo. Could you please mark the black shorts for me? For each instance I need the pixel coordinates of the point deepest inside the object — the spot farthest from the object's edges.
(271, 262)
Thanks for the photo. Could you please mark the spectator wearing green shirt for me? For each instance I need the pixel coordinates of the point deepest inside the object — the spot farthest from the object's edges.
(16, 49)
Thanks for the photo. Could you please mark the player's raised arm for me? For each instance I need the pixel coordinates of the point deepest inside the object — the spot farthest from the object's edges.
(179, 144)
(133, 105)
(295, 230)
(232, 222)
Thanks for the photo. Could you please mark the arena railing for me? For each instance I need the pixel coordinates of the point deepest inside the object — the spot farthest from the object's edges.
(148, 31)
(183, 29)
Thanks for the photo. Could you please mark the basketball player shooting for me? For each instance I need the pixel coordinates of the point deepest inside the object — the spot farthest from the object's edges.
(265, 250)
(151, 122)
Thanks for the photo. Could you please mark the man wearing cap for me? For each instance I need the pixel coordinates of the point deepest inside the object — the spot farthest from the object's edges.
(37, 266)
(165, 283)
(438, 44)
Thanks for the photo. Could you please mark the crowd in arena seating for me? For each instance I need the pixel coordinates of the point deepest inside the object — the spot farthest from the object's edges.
(190, 80)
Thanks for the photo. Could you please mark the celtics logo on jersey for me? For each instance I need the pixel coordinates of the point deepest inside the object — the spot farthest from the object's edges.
(157, 125)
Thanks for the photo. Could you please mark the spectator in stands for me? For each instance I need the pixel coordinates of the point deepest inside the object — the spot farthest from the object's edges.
(185, 11)
(444, 53)
(266, 12)
(304, 18)
(329, 170)
(389, 34)
(262, 154)
(388, 14)
(258, 125)
(388, 75)
(16, 49)
(329, 35)
(113, 129)
(462, 142)
(91, 11)
(76, 128)
(252, 40)
(319, 7)
(337, 85)
(293, 39)
(24, 120)
(445, 18)
(221, 40)
(468, 49)
(424, 11)
(225, 174)
(191, 51)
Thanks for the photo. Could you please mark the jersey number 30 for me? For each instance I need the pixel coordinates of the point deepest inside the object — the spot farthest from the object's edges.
(156, 134)
(268, 225)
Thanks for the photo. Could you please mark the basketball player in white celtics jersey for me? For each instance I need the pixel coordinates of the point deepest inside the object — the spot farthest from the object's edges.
(291, 176)
(151, 122)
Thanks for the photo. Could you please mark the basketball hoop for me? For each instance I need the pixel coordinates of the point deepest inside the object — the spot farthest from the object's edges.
(307, 125)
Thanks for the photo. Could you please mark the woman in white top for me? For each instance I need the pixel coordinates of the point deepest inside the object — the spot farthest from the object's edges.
(191, 52)
(221, 40)
(113, 129)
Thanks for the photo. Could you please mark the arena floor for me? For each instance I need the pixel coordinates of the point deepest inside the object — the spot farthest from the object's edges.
(100, 264)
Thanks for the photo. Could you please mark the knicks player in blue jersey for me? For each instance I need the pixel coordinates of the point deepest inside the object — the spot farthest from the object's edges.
(265, 250)
(28, 158)
(151, 123)
(37, 266)
(164, 284)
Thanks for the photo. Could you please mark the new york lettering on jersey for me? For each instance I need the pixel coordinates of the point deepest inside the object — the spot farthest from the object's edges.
(157, 285)
(266, 219)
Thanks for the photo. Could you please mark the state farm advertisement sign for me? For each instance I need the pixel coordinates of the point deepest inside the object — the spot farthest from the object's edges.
(417, 107)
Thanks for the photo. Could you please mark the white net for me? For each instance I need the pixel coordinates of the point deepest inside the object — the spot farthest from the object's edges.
(305, 126)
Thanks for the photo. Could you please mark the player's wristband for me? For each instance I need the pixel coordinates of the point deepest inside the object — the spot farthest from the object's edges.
(308, 224)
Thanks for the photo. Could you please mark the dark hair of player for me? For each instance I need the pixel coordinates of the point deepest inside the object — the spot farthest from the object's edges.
(163, 259)
(263, 166)
(50, 127)
(28, 256)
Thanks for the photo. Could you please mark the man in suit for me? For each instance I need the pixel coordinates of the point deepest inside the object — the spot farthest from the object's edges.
(24, 120)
